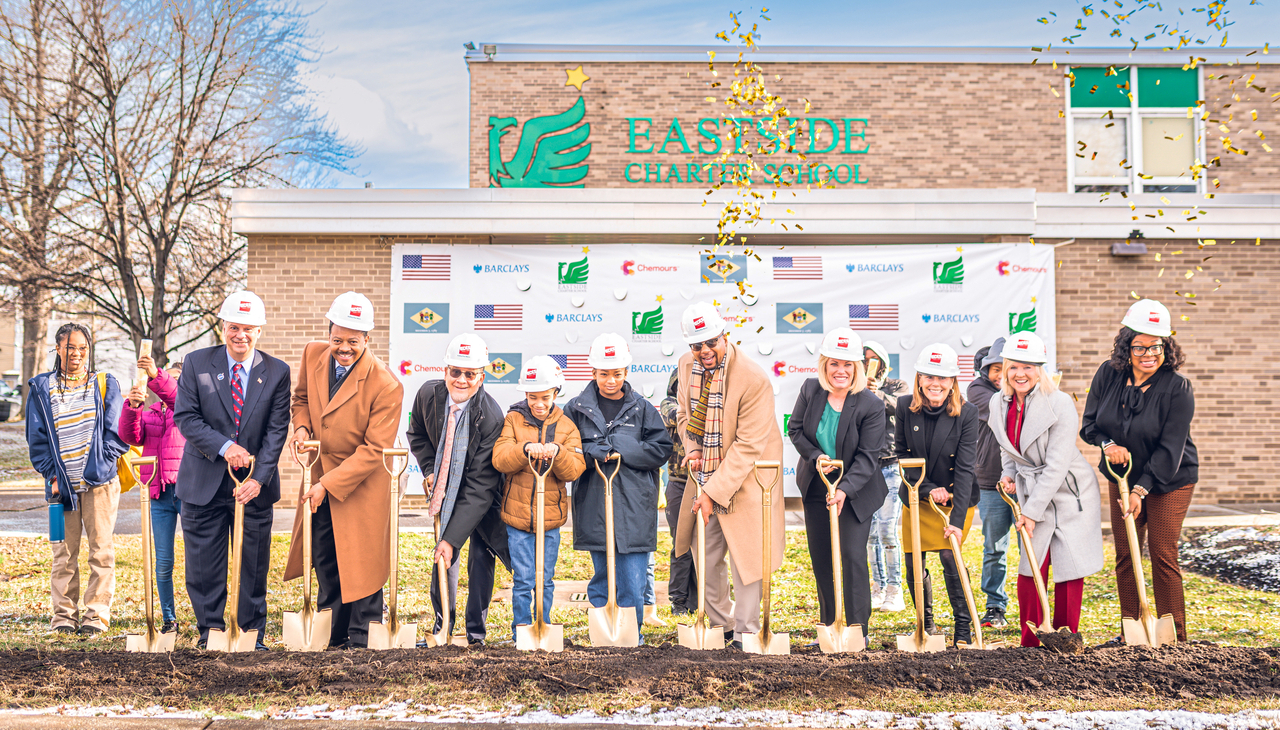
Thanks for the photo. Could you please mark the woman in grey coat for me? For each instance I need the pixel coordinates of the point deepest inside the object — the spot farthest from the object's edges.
(1035, 425)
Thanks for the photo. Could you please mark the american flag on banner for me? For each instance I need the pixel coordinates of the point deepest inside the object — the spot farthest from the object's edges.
(873, 317)
(797, 268)
(966, 369)
(575, 367)
(428, 267)
(499, 316)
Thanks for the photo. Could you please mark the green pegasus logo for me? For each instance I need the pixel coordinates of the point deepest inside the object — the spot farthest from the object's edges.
(551, 152)
(647, 326)
(948, 276)
(573, 275)
(1022, 321)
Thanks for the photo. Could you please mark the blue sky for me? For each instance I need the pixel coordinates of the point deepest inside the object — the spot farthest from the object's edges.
(394, 82)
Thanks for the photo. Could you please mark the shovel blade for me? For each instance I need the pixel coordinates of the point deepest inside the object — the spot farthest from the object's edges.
(1166, 630)
(700, 638)
(931, 643)
(1135, 634)
(618, 629)
(157, 643)
(983, 645)
(776, 644)
(540, 637)
(304, 632)
(844, 640)
(220, 640)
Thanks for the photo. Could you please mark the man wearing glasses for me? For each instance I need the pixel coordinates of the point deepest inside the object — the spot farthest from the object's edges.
(726, 418)
(452, 429)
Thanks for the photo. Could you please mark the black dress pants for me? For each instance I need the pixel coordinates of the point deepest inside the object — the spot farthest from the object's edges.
(682, 586)
(207, 534)
(853, 560)
(481, 564)
(350, 620)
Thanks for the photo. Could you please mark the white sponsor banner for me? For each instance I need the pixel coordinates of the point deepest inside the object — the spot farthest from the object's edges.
(554, 300)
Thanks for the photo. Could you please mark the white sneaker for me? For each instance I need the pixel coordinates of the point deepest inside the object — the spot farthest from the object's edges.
(893, 600)
(877, 596)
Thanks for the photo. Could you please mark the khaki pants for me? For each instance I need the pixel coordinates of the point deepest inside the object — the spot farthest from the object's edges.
(741, 615)
(97, 518)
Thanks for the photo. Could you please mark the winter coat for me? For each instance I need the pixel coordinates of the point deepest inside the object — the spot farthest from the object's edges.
(477, 507)
(749, 433)
(949, 455)
(1057, 488)
(987, 469)
(889, 390)
(518, 493)
(353, 428)
(637, 435)
(153, 429)
(859, 433)
(42, 438)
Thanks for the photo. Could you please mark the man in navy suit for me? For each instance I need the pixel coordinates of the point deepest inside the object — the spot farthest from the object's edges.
(233, 403)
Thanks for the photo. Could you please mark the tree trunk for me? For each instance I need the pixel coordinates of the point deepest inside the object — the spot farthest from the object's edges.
(34, 299)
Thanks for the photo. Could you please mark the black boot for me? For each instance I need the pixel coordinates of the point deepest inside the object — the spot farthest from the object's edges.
(910, 587)
(959, 606)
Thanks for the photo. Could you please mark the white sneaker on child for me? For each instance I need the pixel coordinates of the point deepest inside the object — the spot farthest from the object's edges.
(893, 600)
(877, 596)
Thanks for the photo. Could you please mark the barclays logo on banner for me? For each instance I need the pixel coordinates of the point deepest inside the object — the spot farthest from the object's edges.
(875, 268)
(503, 368)
(645, 368)
(950, 318)
(799, 319)
(556, 317)
(723, 269)
(500, 268)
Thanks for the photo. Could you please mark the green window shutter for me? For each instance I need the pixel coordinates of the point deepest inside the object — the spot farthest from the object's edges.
(1166, 86)
(1106, 95)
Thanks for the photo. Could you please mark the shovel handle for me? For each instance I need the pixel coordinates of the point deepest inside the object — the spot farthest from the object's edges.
(608, 478)
(240, 482)
(311, 448)
(399, 462)
(1120, 478)
(831, 484)
(541, 475)
(135, 468)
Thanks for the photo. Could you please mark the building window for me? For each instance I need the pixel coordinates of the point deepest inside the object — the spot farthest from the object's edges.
(1129, 129)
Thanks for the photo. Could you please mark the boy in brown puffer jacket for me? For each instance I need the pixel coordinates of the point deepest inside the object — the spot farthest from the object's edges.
(537, 429)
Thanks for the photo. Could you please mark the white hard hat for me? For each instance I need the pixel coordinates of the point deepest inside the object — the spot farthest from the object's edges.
(880, 351)
(467, 350)
(700, 322)
(539, 374)
(608, 352)
(842, 343)
(1025, 347)
(243, 307)
(352, 310)
(1149, 317)
(940, 360)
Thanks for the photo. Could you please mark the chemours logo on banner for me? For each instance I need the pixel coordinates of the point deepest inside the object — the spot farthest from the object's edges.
(721, 269)
(647, 326)
(426, 317)
(781, 368)
(1022, 321)
(875, 268)
(948, 276)
(1004, 268)
(556, 317)
(500, 268)
(950, 318)
(503, 368)
(409, 367)
(631, 268)
(573, 275)
(799, 319)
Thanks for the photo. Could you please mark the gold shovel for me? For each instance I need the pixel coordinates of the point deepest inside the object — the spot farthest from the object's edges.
(978, 643)
(539, 636)
(918, 641)
(698, 635)
(610, 625)
(393, 634)
(152, 641)
(1046, 626)
(232, 639)
(308, 629)
(767, 642)
(837, 638)
(1147, 630)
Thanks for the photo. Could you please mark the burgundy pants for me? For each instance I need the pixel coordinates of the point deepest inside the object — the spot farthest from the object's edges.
(1068, 597)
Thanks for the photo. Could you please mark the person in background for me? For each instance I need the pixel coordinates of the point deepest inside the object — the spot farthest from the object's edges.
(997, 516)
(836, 417)
(1035, 425)
(1139, 412)
(886, 591)
(72, 416)
(536, 429)
(935, 424)
(682, 585)
(153, 429)
(615, 420)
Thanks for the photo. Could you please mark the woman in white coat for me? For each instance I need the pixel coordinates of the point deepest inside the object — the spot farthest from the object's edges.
(1035, 425)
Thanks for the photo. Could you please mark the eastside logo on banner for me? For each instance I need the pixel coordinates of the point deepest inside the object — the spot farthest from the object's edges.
(905, 297)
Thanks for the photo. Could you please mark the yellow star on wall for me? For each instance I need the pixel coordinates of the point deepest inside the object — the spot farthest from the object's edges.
(586, 249)
(659, 299)
(576, 77)
(1033, 300)
(960, 249)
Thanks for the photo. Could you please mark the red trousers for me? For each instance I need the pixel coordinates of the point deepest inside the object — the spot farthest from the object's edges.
(1068, 597)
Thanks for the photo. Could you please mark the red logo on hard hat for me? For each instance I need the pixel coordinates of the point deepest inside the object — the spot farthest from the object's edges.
(843, 342)
(609, 351)
(935, 358)
(531, 374)
(698, 323)
(464, 349)
(246, 306)
(1023, 344)
(1155, 317)
(355, 310)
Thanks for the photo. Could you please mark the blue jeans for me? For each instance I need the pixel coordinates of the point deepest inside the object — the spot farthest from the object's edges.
(997, 519)
(164, 522)
(884, 533)
(523, 546)
(632, 577)
(650, 597)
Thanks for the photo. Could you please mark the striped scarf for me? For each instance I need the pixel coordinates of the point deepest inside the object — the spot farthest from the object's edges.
(706, 420)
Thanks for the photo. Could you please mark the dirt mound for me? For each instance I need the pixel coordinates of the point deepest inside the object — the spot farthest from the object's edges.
(666, 674)
(1245, 556)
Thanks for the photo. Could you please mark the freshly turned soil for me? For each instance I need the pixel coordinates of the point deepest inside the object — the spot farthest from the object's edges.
(662, 674)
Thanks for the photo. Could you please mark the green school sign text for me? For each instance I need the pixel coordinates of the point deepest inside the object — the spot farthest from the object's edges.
(846, 136)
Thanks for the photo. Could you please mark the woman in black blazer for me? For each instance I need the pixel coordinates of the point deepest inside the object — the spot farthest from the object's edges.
(935, 424)
(836, 417)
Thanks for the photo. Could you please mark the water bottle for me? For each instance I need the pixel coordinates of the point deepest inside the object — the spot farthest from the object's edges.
(57, 527)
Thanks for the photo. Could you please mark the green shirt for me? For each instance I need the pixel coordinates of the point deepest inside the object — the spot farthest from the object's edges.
(827, 431)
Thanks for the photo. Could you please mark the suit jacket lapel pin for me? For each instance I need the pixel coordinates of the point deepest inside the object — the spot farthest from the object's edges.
(915, 428)
(221, 376)
(259, 381)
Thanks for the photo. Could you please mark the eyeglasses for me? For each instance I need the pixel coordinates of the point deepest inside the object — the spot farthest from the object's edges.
(469, 375)
(77, 350)
(1139, 350)
(709, 344)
